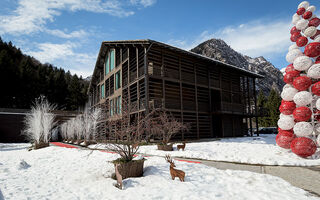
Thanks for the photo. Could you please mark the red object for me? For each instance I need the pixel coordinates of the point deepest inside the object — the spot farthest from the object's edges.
(287, 107)
(279, 130)
(315, 89)
(300, 11)
(303, 147)
(63, 145)
(302, 83)
(295, 36)
(314, 22)
(284, 139)
(294, 30)
(289, 68)
(307, 15)
(317, 115)
(312, 49)
(290, 76)
(315, 35)
(302, 41)
(302, 114)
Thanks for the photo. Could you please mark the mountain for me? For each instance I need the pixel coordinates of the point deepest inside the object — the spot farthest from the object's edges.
(219, 50)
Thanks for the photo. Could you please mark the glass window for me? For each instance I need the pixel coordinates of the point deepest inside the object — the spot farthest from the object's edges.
(107, 64)
(118, 80)
(112, 59)
(119, 104)
(111, 107)
(102, 91)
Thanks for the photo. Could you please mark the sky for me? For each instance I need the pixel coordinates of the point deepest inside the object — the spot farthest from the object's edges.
(68, 33)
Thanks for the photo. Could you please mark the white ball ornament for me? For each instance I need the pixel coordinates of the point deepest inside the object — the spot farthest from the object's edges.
(292, 55)
(302, 98)
(302, 24)
(311, 8)
(288, 94)
(286, 123)
(310, 31)
(317, 129)
(302, 63)
(318, 104)
(302, 129)
(284, 116)
(287, 86)
(317, 39)
(314, 71)
(304, 4)
(295, 18)
(318, 140)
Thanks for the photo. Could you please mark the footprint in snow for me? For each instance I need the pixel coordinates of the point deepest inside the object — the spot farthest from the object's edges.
(23, 165)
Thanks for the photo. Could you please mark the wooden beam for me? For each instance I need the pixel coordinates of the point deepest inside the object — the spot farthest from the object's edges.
(196, 96)
(255, 105)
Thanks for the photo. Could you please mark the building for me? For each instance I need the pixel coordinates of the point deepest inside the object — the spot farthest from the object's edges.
(214, 97)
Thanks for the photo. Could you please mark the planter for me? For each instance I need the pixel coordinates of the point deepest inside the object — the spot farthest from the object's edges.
(133, 168)
(40, 145)
(165, 147)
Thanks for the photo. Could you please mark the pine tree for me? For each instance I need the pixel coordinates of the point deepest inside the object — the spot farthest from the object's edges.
(261, 103)
(272, 105)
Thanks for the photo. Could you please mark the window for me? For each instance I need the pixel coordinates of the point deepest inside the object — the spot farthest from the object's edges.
(107, 64)
(112, 59)
(102, 91)
(118, 80)
(111, 107)
(118, 105)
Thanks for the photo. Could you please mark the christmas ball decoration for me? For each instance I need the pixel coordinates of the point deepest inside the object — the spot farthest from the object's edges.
(310, 31)
(302, 129)
(293, 46)
(287, 86)
(302, 63)
(302, 98)
(315, 35)
(289, 68)
(287, 107)
(316, 88)
(301, 10)
(318, 104)
(317, 129)
(312, 49)
(290, 76)
(317, 116)
(288, 94)
(286, 123)
(295, 18)
(302, 41)
(294, 37)
(311, 8)
(314, 22)
(302, 24)
(317, 39)
(307, 15)
(302, 83)
(283, 115)
(292, 55)
(302, 114)
(303, 147)
(314, 71)
(304, 4)
(284, 139)
(294, 30)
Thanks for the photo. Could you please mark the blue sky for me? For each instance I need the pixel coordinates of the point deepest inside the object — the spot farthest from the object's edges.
(68, 33)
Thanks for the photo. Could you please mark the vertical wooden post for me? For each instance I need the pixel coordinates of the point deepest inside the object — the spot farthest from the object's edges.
(221, 105)
(146, 82)
(210, 105)
(249, 104)
(196, 96)
(255, 105)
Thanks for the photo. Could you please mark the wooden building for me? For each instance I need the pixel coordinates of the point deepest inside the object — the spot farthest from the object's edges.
(217, 99)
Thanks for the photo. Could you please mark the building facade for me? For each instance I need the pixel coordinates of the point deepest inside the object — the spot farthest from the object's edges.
(216, 99)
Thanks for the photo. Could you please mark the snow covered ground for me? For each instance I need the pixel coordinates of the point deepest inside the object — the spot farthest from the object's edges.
(62, 173)
(254, 150)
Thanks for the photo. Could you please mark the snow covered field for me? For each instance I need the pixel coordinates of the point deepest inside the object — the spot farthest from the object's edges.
(62, 173)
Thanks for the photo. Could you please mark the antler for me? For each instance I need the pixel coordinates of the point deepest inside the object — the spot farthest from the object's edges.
(168, 158)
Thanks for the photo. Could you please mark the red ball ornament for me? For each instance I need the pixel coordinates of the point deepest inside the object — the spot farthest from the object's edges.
(302, 41)
(301, 10)
(290, 76)
(290, 68)
(302, 83)
(315, 35)
(315, 89)
(284, 139)
(314, 22)
(295, 36)
(307, 15)
(303, 147)
(312, 49)
(279, 130)
(317, 115)
(302, 114)
(294, 30)
(287, 107)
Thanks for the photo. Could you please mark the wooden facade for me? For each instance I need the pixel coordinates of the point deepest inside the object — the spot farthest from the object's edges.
(216, 99)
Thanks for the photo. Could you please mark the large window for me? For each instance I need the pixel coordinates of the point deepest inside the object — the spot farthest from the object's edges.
(110, 61)
(111, 107)
(102, 91)
(118, 104)
(118, 80)
(107, 64)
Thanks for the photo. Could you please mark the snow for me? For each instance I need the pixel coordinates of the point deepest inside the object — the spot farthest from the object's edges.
(64, 173)
(252, 150)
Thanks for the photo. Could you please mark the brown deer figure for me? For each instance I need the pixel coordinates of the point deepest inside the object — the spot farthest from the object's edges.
(175, 172)
(119, 177)
(181, 146)
(135, 145)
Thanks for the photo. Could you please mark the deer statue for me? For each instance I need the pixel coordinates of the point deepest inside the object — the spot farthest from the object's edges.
(119, 177)
(181, 146)
(175, 172)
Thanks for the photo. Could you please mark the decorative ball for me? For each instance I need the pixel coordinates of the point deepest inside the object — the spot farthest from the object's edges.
(295, 18)
(317, 38)
(318, 104)
(292, 55)
(285, 87)
(302, 98)
(287, 107)
(302, 63)
(318, 140)
(307, 15)
(294, 37)
(317, 129)
(312, 49)
(289, 68)
(302, 114)
(288, 94)
(304, 4)
(290, 76)
(301, 10)
(315, 89)
(286, 123)
(302, 83)
(283, 115)
(294, 30)
(293, 46)
(316, 115)
(314, 71)
(311, 8)
(302, 41)
(302, 24)
(314, 22)
(284, 139)
(302, 129)
(310, 31)
(315, 35)
(303, 147)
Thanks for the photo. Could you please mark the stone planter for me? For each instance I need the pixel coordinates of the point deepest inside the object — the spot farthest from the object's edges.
(165, 147)
(40, 145)
(133, 168)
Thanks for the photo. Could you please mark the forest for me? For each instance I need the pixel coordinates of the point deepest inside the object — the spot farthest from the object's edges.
(23, 78)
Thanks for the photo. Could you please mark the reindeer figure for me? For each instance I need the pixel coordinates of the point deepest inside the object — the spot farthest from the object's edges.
(175, 172)
(181, 146)
(119, 177)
